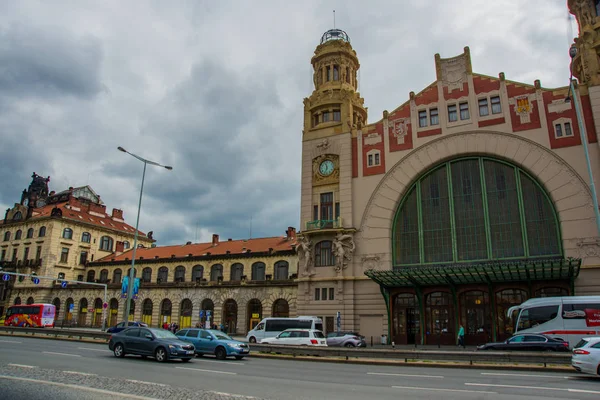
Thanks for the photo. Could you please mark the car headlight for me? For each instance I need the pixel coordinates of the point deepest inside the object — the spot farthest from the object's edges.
(173, 346)
(233, 345)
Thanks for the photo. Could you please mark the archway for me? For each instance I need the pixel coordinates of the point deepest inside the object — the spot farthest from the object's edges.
(97, 314)
(30, 300)
(185, 314)
(476, 316)
(229, 319)
(69, 307)
(113, 310)
(281, 308)
(131, 309)
(147, 307)
(83, 310)
(165, 312)
(207, 318)
(439, 319)
(254, 313)
(56, 303)
(17, 301)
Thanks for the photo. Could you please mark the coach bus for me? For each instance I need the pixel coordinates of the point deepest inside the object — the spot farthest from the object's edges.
(31, 315)
(568, 318)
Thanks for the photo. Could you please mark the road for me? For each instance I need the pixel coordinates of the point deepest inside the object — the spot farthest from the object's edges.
(52, 369)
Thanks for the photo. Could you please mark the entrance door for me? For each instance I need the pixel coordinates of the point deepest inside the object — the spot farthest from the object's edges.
(412, 325)
(405, 323)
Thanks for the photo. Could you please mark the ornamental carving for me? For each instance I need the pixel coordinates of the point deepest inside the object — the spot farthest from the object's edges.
(371, 261)
(399, 129)
(454, 72)
(333, 177)
(523, 107)
(344, 247)
(304, 248)
(588, 247)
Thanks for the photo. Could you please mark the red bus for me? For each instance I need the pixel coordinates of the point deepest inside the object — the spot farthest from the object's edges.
(34, 315)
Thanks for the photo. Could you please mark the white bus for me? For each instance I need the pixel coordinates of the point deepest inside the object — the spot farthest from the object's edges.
(568, 318)
(270, 327)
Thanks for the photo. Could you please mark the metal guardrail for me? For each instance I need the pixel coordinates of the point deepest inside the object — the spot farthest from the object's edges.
(472, 357)
(55, 333)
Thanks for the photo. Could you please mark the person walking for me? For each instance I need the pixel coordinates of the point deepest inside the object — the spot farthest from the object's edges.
(461, 336)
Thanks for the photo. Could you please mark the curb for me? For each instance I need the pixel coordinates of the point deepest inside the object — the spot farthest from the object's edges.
(68, 339)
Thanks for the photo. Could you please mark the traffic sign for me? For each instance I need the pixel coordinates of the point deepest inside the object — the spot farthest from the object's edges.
(201, 313)
(63, 284)
(6, 278)
(36, 280)
(105, 305)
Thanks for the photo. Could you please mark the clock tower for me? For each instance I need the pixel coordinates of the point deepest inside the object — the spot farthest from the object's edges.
(334, 114)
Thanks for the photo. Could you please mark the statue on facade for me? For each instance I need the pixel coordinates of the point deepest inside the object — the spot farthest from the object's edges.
(305, 255)
(344, 249)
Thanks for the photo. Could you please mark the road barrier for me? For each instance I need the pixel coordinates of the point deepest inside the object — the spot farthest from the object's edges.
(51, 333)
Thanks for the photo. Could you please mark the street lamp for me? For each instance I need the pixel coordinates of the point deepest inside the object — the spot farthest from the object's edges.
(583, 134)
(135, 235)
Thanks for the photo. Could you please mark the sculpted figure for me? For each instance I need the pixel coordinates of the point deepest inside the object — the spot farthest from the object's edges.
(344, 249)
(305, 254)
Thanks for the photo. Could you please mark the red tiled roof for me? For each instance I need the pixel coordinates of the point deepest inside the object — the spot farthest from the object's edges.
(258, 245)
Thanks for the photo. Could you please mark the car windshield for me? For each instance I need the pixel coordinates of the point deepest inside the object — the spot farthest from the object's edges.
(164, 334)
(222, 336)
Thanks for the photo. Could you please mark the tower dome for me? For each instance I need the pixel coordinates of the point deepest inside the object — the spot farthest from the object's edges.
(335, 34)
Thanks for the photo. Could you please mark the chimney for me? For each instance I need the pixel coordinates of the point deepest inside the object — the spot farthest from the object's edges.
(117, 214)
(215, 239)
(119, 247)
(291, 233)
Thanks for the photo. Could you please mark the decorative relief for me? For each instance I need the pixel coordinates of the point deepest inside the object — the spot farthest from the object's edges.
(344, 247)
(399, 129)
(558, 106)
(304, 248)
(333, 177)
(588, 247)
(454, 72)
(523, 107)
(372, 138)
(372, 261)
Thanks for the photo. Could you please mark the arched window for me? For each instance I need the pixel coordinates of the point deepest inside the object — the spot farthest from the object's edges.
(103, 276)
(197, 273)
(30, 300)
(126, 245)
(180, 273)
(67, 233)
(163, 275)
(17, 301)
(86, 237)
(237, 270)
(18, 234)
(281, 308)
(281, 270)
(6, 236)
(165, 311)
(42, 232)
(106, 243)
(134, 272)
(147, 275)
(324, 254)
(497, 211)
(91, 275)
(216, 271)
(117, 275)
(147, 308)
(18, 216)
(258, 271)
(29, 233)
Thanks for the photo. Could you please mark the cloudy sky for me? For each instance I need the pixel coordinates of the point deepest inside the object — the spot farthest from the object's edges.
(215, 89)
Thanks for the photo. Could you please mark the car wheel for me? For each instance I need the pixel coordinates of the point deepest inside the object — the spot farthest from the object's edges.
(252, 339)
(220, 353)
(239, 357)
(161, 354)
(119, 350)
(185, 359)
(348, 345)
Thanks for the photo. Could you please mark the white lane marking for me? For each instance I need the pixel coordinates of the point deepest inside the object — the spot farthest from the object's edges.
(9, 341)
(61, 354)
(220, 362)
(208, 370)
(529, 376)
(443, 390)
(584, 391)
(405, 375)
(84, 388)
(146, 383)
(78, 373)
(535, 388)
(90, 349)
(22, 366)
(241, 396)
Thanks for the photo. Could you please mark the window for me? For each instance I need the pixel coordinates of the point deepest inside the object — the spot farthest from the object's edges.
(180, 273)
(328, 73)
(373, 158)
(323, 293)
(18, 234)
(281, 270)
(117, 274)
(64, 255)
(26, 254)
(558, 129)
(452, 113)
(562, 128)
(86, 237)
(483, 107)
(67, 233)
(6, 236)
(163, 275)
(331, 293)
(237, 270)
(3, 256)
(38, 253)
(422, 118)
(496, 106)
(91, 275)
(103, 276)
(325, 116)
(315, 119)
(337, 209)
(197, 273)
(147, 275)
(568, 131)
(317, 294)
(83, 257)
(324, 254)
(18, 216)
(29, 233)
(336, 73)
(433, 116)
(61, 275)
(216, 271)
(14, 257)
(106, 243)
(42, 231)
(532, 317)
(464, 111)
(126, 245)
(337, 115)
(258, 271)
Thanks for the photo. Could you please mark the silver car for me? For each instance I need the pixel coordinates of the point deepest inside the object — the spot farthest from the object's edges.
(586, 356)
(345, 339)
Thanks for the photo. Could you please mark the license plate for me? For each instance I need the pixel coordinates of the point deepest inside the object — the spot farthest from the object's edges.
(189, 352)
(243, 351)
(322, 342)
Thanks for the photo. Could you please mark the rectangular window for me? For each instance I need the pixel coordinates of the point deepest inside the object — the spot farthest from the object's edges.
(26, 254)
(14, 257)
(327, 206)
(337, 115)
(558, 128)
(38, 253)
(325, 116)
(83, 258)
(422, 118)
(370, 160)
(328, 73)
(317, 294)
(315, 119)
(377, 159)
(496, 106)
(64, 255)
(568, 131)
(336, 73)
(3, 255)
(315, 213)
(483, 107)
(323, 293)
(464, 111)
(452, 113)
(331, 293)
(337, 209)
(433, 116)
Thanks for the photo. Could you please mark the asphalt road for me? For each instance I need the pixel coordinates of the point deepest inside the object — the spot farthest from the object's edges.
(52, 369)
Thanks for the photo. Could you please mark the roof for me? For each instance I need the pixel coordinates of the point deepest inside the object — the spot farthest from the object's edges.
(223, 248)
(489, 272)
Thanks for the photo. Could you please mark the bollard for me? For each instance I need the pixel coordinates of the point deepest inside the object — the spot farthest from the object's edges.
(393, 345)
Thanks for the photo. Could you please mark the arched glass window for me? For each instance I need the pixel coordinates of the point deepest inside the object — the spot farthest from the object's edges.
(117, 276)
(86, 237)
(17, 301)
(324, 254)
(29, 233)
(18, 234)
(42, 231)
(180, 273)
(91, 275)
(474, 209)
(18, 216)
(237, 270)
(103, 276)
(281, 308)
(258, 271)
(30, 300)
(67, 233)
(106, 243)
(126, 245)
(197, 273)
(163, 275)
(281, 270)
(6, 236)
(147, 275)
(216, 271)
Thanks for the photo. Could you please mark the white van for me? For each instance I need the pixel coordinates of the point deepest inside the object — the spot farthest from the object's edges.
(270, 327)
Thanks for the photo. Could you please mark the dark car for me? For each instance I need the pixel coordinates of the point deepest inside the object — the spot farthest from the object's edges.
(158, 343)
(345, 339)
(210, 341)
(121, 326)
(528, 342)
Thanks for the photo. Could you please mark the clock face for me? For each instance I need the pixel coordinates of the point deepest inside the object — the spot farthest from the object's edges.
(326, 168)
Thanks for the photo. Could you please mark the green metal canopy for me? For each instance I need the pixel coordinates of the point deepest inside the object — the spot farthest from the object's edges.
(489, 272)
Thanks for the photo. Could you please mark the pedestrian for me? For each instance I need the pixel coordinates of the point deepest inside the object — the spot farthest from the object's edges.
(461, 336)
(198, 324)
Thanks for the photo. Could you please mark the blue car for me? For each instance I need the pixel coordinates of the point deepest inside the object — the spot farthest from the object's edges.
(208, 341)
(121, 326)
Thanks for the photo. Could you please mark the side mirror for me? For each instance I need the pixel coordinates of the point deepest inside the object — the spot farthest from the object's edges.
(211, 338)
(506, 341)
(149, 336)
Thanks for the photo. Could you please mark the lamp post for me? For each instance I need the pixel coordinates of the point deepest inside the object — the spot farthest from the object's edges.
(583, 135)
(135, 235)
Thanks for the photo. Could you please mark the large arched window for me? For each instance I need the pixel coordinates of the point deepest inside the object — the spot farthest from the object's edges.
(324, 254)
(42, 232)
(258, 271)
(180, 273)
(86, 237)
(103, 276)
(237, 270)
(67, 233)
(281, 270)
(106, 243)
(91, 275)
(197, 273)
(216, 271)
(147, 275)
(29, 233)
(163, 275)
(17, 216)
(117, 275)
(474, 209)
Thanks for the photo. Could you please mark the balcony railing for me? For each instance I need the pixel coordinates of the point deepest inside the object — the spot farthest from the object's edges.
(324, 224)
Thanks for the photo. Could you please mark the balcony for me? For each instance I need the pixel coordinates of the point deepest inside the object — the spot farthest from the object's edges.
(321, 224)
